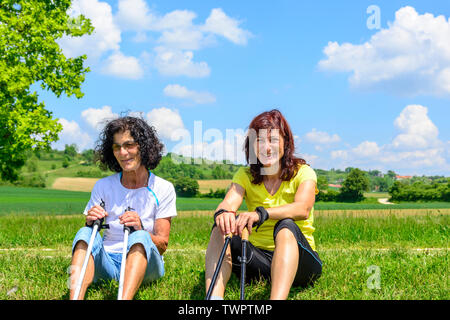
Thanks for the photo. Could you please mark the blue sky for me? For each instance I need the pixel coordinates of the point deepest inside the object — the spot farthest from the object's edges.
(360, 88)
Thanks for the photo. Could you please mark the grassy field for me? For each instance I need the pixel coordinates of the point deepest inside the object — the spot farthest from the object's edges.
(48, 201)
(367, 254)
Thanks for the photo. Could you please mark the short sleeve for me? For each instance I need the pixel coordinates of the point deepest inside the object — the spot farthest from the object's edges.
(307, 173)
(96, 196)
(241, 178)
(167, 204)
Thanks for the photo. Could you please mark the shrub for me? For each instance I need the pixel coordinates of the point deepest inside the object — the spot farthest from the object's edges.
(35, 180)
(65, 163)
(420, 191)
(186, 187)
(329, 196)
(354, 186)
(218, 194)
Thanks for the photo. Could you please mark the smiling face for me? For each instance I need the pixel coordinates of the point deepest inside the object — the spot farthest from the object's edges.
(269, 147)
(126, 151)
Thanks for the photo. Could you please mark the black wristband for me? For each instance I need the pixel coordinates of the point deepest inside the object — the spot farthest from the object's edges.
(263, 216)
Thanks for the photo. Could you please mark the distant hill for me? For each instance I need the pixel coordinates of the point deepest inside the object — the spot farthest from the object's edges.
(44, 167)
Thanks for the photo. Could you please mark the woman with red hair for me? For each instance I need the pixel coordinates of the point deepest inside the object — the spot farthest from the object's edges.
(279, 190)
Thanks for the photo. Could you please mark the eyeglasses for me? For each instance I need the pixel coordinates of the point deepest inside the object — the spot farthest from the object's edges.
(127, 145)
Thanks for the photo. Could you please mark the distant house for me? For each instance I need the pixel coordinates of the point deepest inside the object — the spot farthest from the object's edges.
(402, 177)
(335, 185)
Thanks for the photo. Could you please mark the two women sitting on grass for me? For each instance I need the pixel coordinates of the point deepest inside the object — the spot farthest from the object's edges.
(279, 190)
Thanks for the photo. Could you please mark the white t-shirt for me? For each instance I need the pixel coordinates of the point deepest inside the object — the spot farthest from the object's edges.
(156, 201)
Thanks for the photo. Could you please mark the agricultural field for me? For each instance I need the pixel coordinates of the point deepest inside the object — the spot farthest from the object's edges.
(400, 253)
(206, 185)
(86, 184)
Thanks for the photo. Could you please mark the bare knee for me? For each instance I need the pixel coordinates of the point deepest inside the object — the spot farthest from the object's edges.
(285, 235)
(138, 248)
(80, 245)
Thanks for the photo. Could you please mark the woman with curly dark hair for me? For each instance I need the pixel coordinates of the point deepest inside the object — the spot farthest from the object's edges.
(279, 190)
(132, 197)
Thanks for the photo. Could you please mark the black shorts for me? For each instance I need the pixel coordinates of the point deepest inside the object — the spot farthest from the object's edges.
(259, 261)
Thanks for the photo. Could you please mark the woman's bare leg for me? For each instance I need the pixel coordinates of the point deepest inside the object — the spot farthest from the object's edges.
(215, 246)
(135, 267)
(79, 253)
(284, 264)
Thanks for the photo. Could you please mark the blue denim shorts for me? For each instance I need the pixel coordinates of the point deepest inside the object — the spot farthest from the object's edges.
(107, 264)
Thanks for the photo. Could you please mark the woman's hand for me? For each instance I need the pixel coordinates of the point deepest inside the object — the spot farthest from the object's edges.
(226, 222)
(94, 213)
(131, 219)
(246, 220)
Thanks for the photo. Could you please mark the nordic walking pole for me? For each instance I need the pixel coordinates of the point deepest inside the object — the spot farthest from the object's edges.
(243, 259)
(97, 225)
(219, 265)
(127, 230)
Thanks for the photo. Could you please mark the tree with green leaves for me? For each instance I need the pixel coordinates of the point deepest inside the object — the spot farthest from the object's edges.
(354, 186)
(186, 187)
(71, 150)
(30, 54)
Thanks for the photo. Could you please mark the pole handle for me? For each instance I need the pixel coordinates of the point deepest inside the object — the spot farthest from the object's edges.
(244, 234)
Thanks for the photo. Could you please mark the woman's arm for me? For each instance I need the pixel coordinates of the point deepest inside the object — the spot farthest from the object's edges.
(302, 205)
(232, 201)
(161, 234)
(161, 229)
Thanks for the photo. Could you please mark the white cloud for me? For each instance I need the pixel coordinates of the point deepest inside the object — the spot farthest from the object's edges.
(213, 146)
(72, 134)
(134, 15)
(321, 137)
(121, 66)
(97, 118)
(219, 23)
(179, 63)
(167, 122)
(417, 130)
(106, 36)
(182, 39)
(177, 28)
(410, 57)
(430, 158)
(180, 92)
(179, 36)
(366, 149)
(175, 34)
(339, 154)
(177, 19)
(179, 32)
(416, 148)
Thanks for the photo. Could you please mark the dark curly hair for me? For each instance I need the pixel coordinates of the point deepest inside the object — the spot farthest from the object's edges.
(290, 164)
(150, 148)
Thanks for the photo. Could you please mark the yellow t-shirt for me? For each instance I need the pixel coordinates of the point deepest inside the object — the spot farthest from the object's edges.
(257, 195)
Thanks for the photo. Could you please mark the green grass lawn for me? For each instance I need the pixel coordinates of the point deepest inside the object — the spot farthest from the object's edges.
(49, 201)
(410, 253)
